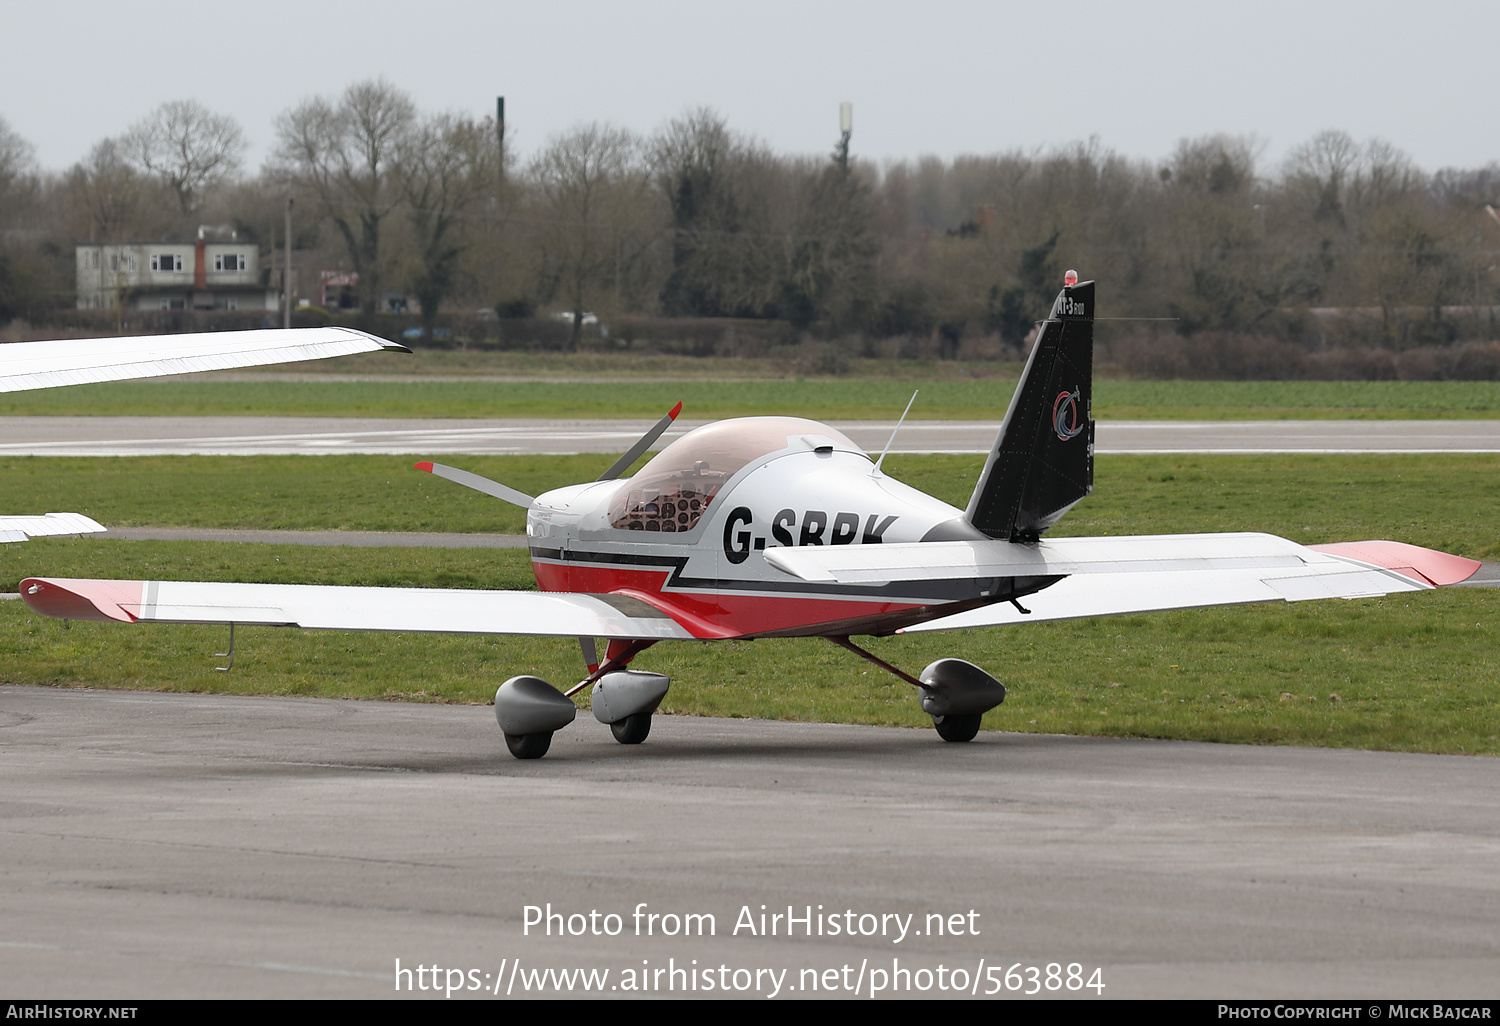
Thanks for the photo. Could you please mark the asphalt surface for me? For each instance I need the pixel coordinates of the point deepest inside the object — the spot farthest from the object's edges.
(150, 436)
(206, 846)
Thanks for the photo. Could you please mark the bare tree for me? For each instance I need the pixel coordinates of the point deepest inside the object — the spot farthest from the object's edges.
(17, 170)
(830, 257)
(447, 166)
(347, 157)
(189, 147)
(108, 195)
(721, 190)
(1323, 167)
(590, 184)
(18, 187)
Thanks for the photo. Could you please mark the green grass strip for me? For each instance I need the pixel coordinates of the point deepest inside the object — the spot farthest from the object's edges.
(1441, 501)
(818, 398)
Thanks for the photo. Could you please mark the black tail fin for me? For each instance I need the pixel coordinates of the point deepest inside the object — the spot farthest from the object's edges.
(1043, 460)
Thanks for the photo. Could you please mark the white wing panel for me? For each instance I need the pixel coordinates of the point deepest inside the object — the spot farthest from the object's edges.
(1112, 594)
(321, 607)
(27, 365)
(19, 528)
(930, 561)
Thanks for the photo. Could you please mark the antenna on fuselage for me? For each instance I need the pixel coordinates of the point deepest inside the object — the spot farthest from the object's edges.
(892, 440)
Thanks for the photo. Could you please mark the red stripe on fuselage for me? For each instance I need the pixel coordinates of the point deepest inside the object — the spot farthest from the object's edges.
(732, 615)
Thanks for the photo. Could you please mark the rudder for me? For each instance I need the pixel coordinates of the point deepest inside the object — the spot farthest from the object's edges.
(1042, 462)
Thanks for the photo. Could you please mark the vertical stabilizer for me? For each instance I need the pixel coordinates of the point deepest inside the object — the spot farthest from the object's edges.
(1043, 460)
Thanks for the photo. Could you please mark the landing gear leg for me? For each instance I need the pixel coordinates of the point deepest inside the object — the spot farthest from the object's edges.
(955, 693)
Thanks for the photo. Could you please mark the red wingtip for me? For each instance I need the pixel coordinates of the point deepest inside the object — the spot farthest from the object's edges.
(425, 466)
(674, 411)
(1425, 566)
(68, 599)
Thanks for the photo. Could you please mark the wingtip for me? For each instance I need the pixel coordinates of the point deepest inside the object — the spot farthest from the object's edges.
(1423, 565)
(379, 340)
(68, 599)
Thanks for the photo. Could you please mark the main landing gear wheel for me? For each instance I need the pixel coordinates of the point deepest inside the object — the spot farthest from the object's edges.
(957, 728)
(632, 730)
(529, 746)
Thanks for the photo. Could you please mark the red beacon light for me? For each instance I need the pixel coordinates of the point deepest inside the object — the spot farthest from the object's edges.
(1070, 278)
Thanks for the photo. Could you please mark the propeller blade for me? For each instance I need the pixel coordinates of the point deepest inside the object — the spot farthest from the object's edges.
(479, 484)
(623, 463)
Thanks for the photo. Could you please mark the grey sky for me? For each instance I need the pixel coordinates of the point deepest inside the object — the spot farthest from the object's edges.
(943, 77)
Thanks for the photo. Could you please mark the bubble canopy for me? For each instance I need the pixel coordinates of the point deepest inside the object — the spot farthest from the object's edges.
(672, 491)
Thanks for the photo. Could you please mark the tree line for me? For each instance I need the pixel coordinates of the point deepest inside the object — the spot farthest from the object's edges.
(1204, 254)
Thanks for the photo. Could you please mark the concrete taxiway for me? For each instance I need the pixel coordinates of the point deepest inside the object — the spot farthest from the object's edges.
(314, 436)
(189, 845)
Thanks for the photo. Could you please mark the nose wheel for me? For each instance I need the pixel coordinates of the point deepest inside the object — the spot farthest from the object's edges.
(957, 728)
(632, 730)
(528, 746)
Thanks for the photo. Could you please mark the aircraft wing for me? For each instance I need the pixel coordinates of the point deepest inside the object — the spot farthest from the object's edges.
(1105, 576)
(77, 361)
(323, 607)
(19, 528)
(1113, 594)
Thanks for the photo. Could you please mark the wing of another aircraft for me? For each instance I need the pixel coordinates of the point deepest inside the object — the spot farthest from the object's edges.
(19, 528)
(77, 361)
(325, 607)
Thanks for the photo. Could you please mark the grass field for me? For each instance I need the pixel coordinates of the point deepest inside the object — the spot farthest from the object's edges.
(1414, 673)
(1443, 501)
(819, 398)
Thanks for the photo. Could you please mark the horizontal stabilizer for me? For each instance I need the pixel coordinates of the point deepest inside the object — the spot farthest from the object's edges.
(323, 607)
(19, 528)
(77, 361)
(479, 484)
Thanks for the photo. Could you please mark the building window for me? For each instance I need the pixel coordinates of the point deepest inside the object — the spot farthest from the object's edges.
(229, 262)
(166, 262)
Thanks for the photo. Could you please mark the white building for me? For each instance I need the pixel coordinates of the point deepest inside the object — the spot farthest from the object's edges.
(173, 276)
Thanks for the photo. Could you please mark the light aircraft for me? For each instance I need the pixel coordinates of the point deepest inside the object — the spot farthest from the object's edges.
(774, 527)
(77, 361)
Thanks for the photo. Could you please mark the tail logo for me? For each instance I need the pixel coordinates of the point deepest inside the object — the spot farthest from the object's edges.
(1065, 421)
